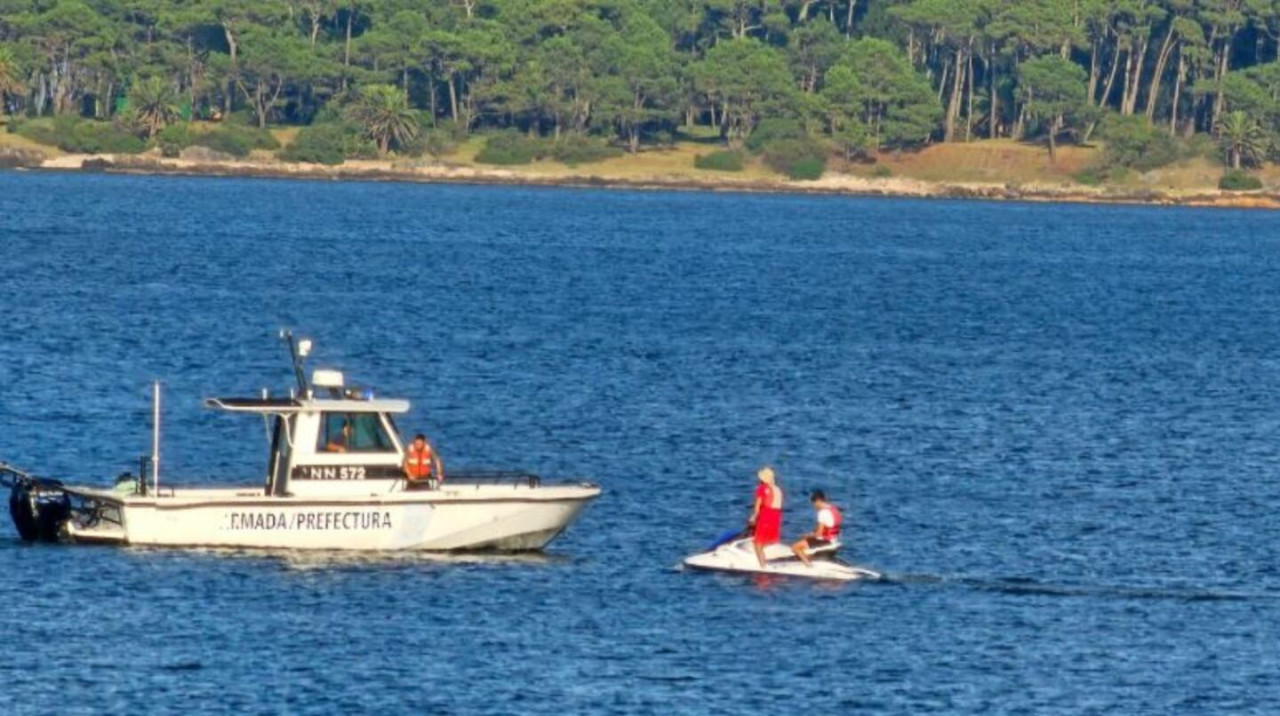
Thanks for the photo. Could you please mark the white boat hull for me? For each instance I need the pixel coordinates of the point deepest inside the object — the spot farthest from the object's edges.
(740, 556)
(490, 517)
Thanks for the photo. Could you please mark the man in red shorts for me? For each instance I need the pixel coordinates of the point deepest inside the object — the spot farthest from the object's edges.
(766, 513)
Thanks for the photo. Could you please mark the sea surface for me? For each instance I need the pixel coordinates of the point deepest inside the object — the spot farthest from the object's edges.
(1056, 429)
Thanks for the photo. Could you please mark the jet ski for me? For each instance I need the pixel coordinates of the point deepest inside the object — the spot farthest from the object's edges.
(737, 554)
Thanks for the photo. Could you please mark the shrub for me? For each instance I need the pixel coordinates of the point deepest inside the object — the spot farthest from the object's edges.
(1236, 180)
(797, 158)
(579, 149)
(881, 172)
(319, 144)
(72, 134)
(511, 148)
(236, 141)
(225, 140)
(721, 161)
(1091, 176)
(37, 131)
(173, 139)
(774, 130)
(439, 141)
(1133, 142)
(807, 168)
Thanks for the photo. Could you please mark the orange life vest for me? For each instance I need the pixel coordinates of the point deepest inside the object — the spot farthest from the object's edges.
(419, 463)
(832, 533)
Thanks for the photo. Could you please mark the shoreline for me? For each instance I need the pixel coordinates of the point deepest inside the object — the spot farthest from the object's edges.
(832, 184)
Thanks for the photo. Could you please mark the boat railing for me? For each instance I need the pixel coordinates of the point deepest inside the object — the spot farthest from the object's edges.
(491, 477)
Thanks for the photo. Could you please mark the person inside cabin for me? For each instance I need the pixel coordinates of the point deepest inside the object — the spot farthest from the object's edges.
(422, 465)
(826, 531)
(342, 441)
(766, 513)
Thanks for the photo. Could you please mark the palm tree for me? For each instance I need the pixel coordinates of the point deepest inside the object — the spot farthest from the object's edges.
(9, 82)
(155, 102)
(1241, 138)
(384, 113)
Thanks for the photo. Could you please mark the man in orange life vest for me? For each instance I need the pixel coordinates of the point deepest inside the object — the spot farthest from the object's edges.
(422, 464)
(766, 513)
(825, 532)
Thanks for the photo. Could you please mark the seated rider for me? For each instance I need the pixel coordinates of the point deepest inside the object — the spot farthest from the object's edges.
(766, 513)
(342, 441)
(827, 530)
(421, 463)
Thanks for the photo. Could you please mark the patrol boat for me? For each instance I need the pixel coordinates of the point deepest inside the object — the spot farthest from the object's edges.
(314, 497)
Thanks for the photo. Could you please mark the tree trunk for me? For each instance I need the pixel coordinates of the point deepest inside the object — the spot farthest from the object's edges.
(1162, 61)
(1094, 74)
(231, 87)
(1134, 84)
(1111, 78)
(1223, 64)
(848, 19)
(1177, 93)
(953, 105)
(453, 99)
(346, 50)
(993, 130)
(1054, 125)
(968, 112)
(431, 86)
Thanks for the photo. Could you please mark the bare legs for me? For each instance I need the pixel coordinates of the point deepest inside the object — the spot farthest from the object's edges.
(801, 551)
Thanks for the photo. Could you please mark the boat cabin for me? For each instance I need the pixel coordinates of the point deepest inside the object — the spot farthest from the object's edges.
(319, 442)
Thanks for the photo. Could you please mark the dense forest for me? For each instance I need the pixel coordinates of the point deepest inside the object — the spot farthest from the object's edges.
(857, 75)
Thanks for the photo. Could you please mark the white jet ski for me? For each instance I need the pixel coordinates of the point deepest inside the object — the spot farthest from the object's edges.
(739, 555)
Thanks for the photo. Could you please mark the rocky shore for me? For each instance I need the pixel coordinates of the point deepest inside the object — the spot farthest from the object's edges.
(428, 171)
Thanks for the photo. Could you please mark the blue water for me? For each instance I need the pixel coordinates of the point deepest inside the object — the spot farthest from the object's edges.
(1055, 427)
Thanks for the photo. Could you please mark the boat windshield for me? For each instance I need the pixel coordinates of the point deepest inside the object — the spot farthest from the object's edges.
(353, 432)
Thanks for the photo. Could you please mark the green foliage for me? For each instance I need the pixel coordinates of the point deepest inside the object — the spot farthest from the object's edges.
(1134, 143)
(577, 149)
(1092, 176)
(721, 161)
(509, 148)
(774, 129)
(237, 141)
(1243, 141)
(1053, 90)
(154, 102)
(383, 112)
(72, 134)
(320, 144)
(797, 158)
(173, 139)
(881, 172)
(1238, 180)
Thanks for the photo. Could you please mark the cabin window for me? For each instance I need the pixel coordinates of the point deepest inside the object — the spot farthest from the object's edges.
(353, 432)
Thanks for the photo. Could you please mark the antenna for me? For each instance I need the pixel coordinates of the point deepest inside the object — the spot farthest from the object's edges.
(155, 436)
(298, 350)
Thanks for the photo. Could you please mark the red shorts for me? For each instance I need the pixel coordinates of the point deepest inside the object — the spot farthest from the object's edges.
(768, 527)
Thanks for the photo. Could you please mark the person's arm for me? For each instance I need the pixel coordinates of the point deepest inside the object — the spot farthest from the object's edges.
(755, 511)
(435, 457)
(408, 475)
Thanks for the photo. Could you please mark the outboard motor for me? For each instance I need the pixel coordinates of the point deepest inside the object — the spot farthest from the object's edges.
(23, 513)
(38, 514)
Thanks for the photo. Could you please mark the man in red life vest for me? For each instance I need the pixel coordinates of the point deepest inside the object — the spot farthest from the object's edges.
(422, 464)
(766, 513)
(825, 532)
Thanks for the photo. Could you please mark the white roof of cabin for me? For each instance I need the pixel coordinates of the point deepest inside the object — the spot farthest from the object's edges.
(278, 406)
